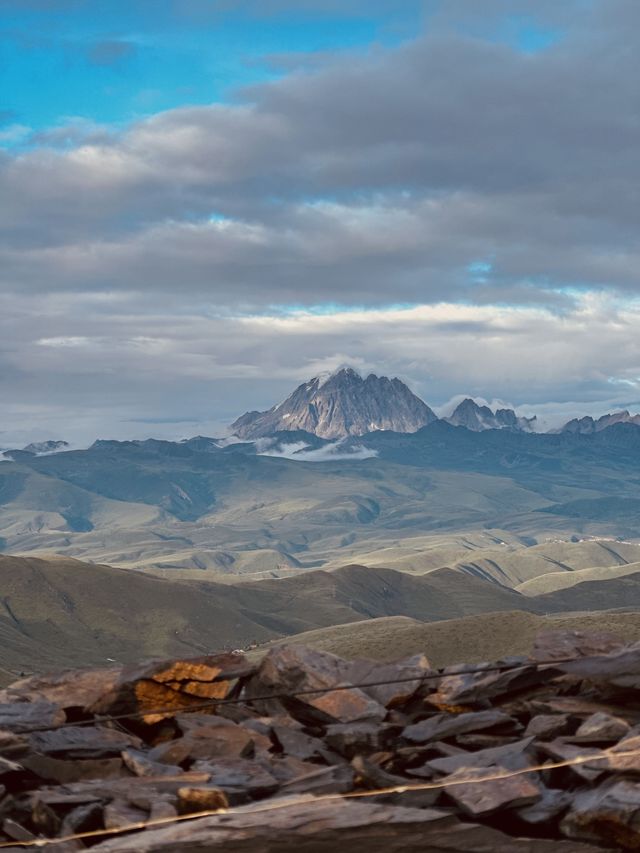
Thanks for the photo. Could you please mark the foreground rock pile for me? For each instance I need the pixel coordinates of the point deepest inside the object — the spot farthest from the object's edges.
(523, 755)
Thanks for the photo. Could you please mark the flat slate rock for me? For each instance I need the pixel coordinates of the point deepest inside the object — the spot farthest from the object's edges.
(609, 814)
(83, 741)
(316, 827)
(482, 757)
(449, 762)
(476, 688)
(69, 689)
(558, 645)
(309, 677)
(26, 716)
(443, 726)
(488, 793)
(620, 668)
(398, 689)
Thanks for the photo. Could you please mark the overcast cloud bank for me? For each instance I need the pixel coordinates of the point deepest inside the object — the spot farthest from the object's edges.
(456, 210)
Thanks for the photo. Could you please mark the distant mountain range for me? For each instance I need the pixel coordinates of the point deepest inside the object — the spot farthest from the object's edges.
(589, 425)
(343, 403)
(37, 448)
(478, 418)
(248, 508)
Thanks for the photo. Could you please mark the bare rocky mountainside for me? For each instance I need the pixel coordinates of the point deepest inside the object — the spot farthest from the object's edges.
(476, 418)
(341, 404)
(588, 425)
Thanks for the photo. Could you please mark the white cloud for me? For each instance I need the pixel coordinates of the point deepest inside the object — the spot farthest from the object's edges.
(300, 452)
(14, 133)
(171, 266)
(128, 368)
(74, 341)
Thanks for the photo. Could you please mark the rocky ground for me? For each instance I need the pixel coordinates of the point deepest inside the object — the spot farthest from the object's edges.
(538, 753)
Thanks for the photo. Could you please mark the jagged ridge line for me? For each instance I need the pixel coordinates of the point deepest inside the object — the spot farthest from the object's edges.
(311, 799)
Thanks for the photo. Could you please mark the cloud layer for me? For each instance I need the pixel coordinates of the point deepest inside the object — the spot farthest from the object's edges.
(460, 209)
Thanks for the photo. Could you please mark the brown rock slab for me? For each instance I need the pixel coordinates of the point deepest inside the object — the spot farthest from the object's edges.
(620, 667)
(311, 675)
(398, 689)
(173, 752)
(141, 789)
(350, 739)
(337, 779)
(479, 740)
(140, 764)
(580, 706)
(16, 831)
(121, 813)
(239, 776)
(83, 819)
(297, 743)
(603, 727)
(560, 750)
(552, 804)
(371, 775)
(476, 688)
(162, 810)
(559, 644)
(175, 685)
(623, 757)
(503, 755)
(286, 768)
(193, 799)
(216, 737)
(44, 819)
(442, 726)
(487, 794)
(76, 688)
(609, 814)
(547, 726)
(25, 716)
(64, 770)
(317, 827)
(82, 741)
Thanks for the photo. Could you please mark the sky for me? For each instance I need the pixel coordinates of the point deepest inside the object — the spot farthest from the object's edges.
(205, 202)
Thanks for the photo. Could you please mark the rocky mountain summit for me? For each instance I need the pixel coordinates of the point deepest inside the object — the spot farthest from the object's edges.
(344, 403)
(589, 425)
(50, 446)
(340, 404)
(36, 448)
(478, 418)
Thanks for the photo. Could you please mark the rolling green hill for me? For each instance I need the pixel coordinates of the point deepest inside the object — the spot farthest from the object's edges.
(440, 497)
(469, 639)
(61, 612)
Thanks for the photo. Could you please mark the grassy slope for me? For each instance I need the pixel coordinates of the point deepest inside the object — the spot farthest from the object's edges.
(249, 515)
(63, 612)
(555, 581)
(471, 639)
